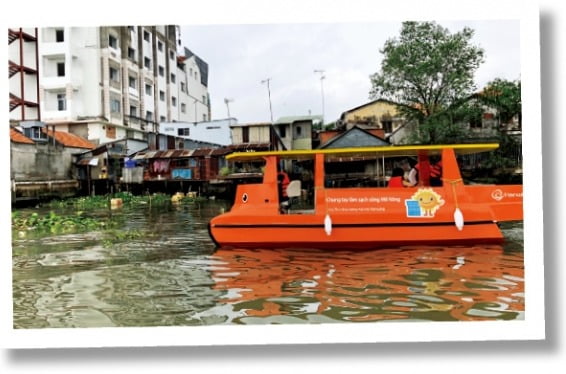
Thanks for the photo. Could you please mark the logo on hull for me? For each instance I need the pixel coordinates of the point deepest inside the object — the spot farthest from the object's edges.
(424, 203)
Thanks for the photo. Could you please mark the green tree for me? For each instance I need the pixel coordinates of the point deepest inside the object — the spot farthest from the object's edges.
(429, 73)
(505, 97)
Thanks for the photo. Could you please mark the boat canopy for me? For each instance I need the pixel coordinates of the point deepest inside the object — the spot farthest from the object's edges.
(383, 151)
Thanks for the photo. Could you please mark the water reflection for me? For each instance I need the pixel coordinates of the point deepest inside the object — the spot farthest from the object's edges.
(172, 275)
(434, 284)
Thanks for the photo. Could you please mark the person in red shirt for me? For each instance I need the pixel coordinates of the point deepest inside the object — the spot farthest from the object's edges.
(396, 179)
(436, 172)
(283, 182)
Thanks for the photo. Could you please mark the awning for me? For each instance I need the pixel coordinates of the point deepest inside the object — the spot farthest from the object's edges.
(88, 161)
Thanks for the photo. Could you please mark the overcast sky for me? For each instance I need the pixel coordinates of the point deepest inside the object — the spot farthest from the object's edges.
(241, 56)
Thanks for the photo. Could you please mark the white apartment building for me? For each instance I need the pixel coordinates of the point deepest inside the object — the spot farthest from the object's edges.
(114, 82)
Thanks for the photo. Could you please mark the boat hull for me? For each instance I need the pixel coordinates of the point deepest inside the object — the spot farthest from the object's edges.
(353, 236)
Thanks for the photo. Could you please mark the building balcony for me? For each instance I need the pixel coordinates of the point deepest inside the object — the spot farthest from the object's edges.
(54, 83)
(54, 50)
(59, 115)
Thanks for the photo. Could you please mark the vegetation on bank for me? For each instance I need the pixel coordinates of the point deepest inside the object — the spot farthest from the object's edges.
(128, 199)
(71, 217)
(53, 223)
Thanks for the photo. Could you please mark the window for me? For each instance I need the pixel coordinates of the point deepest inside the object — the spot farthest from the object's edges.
(131, 53)
(387, 126)
(184, 132)
(114, 76)
(146, 36)
(133, 111)
(61, 102)
(132, 82)
(183, 108)
(245, 134)
(183, 87)
(173, 78)
(282, 131)
(59, 36)
(60, 69)
(298, 130)
(115, 106)
(476, 121)
(147, 62)
(162, 118)
(161, 71)
(160, 46)
(148, 116)
(204, 117)
(112, 41)
(204, 99)
(172, 55)
(196, 75)
(110, 133)
(191, 72)
(162, 95)
(148, 90)
(35, 133)
(173, 101)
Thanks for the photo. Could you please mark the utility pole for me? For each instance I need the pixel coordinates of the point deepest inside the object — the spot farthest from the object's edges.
(321, 72)
(269, 95)
(228, 101)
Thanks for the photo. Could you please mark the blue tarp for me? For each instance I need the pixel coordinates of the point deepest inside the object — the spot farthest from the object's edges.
(182, 173)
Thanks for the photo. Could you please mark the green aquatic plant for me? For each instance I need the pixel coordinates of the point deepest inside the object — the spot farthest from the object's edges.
(103, 201)
(53, 223)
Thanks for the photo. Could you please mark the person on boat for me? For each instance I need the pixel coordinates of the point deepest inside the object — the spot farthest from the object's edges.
(282, 184)
(396, 179)
(410, 173)
(436, 172)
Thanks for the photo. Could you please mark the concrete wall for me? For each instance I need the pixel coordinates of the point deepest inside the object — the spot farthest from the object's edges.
(38, 162)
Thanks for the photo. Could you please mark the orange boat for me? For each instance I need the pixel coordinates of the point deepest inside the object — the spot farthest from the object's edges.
(367, 217)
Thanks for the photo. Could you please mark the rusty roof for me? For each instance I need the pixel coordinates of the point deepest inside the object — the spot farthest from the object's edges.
(18, 137)
(221, 151)
(70, 140)
(249, 147)
(171, 153)
(201, 152)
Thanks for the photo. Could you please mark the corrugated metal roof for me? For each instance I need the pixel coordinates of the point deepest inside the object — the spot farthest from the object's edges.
(201, 152)
(171, 153)
(221, 151)
(250, 146)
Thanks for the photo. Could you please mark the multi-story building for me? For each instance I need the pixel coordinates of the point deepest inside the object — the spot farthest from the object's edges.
(114, 82)
(23, 74)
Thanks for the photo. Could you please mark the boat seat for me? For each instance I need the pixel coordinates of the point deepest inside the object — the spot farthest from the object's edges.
(293, 192)
(294, 189)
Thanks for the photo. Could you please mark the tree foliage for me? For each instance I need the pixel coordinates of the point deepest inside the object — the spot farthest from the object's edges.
(505, 97)
(429, 72)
